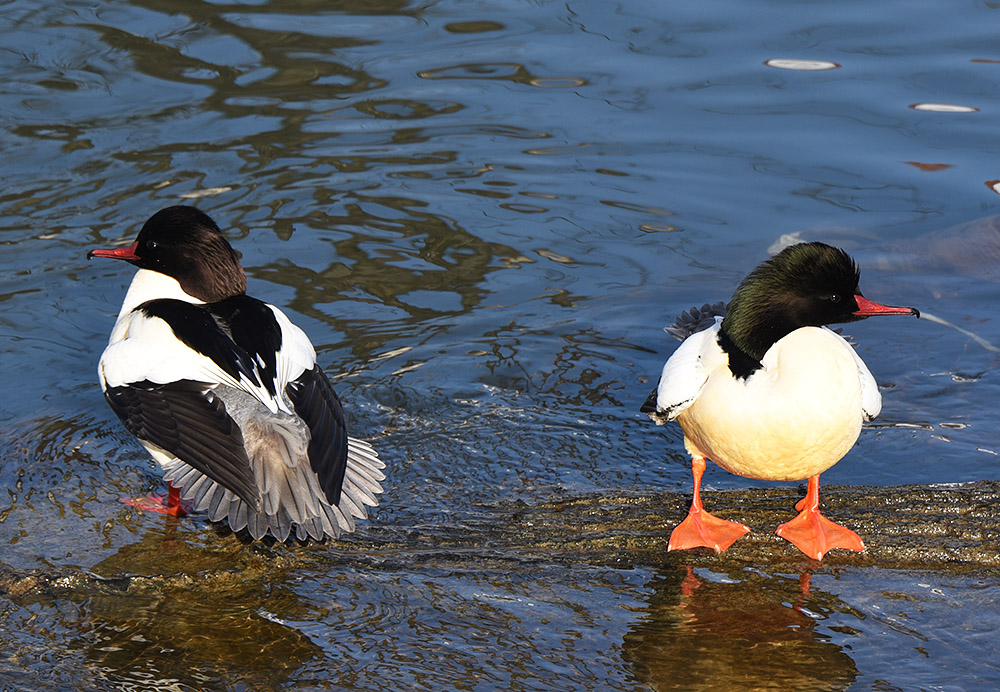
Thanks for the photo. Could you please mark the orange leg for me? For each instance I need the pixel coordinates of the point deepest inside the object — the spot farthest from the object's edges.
(814, 534)
(155, 503)
(701, 528)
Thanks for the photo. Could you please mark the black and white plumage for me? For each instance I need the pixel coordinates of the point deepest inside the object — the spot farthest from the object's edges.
(225, 392)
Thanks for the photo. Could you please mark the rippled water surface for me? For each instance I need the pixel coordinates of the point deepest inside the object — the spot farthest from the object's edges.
(483, 214)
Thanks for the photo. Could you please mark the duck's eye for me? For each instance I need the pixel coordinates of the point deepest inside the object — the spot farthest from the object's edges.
(152, 244)
(835, 298)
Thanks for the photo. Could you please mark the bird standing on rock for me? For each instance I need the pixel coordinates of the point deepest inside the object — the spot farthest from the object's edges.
(769, 392)
(225, 392)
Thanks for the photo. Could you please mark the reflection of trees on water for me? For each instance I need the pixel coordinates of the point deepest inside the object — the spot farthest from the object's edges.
(274, 101)
(415, 251)
(302, 65)
(266, 83)
(453, 260)
(742, 634)
(281, 87)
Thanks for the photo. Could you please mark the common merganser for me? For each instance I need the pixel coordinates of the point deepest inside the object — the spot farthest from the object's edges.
(769, 392)
(225, 393)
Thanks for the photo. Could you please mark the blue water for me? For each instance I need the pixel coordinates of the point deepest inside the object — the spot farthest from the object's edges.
(483, 215)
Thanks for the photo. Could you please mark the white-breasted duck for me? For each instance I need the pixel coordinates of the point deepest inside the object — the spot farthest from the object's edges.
(768, 392)
(225, 392)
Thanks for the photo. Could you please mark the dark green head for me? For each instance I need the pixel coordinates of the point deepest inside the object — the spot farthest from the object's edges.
(809, 284)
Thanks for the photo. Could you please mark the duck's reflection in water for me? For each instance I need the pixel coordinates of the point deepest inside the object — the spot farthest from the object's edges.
(189, 611)
(744, 631)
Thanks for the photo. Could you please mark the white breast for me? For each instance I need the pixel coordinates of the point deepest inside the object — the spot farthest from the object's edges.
(794, 418)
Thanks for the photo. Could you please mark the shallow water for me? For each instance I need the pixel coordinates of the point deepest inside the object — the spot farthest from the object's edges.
(483, 215)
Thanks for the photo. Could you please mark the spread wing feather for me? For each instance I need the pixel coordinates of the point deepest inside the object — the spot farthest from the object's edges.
(317, 405)
(188, 421)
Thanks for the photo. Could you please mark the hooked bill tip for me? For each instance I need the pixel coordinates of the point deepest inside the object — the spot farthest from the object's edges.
(123, 253)
(868, 308)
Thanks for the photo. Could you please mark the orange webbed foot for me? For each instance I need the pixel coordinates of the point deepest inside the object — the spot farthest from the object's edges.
(170, 506)
(701, 529)
(814, 534)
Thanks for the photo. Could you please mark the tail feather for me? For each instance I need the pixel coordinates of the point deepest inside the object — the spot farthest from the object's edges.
(290, 498)
(696, 320)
